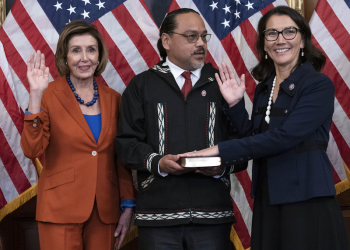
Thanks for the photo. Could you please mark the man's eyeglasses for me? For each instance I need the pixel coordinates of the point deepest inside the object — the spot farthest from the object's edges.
(193, 38)
(288, 33)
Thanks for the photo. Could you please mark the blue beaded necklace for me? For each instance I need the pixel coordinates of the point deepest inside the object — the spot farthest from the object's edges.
(88, 104)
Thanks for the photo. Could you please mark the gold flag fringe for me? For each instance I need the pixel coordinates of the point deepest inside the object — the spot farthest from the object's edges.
(23, 197)
(344, 184)
(18, 201)
(132, 234)
(236, 241)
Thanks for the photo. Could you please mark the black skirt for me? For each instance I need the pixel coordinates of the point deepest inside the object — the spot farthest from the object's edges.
(314, 224)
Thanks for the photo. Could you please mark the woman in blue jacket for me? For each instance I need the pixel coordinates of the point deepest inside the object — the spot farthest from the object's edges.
(295, 205)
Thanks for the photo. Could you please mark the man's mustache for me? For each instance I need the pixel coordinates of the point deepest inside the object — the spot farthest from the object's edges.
(199, 51)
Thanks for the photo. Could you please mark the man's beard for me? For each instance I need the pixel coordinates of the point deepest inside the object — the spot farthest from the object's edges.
(197, 65)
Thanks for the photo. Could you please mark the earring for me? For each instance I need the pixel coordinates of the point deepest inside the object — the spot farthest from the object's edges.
(302, 52)
(66, 63)
(98, 62)
(266, 55)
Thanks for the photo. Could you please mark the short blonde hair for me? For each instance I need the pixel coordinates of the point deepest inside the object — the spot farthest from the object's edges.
(72, 29)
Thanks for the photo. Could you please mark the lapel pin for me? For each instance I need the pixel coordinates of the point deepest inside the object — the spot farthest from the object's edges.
(204, 93)
(291, 86)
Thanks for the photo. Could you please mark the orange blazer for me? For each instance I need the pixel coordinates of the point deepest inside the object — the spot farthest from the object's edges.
(77, 170)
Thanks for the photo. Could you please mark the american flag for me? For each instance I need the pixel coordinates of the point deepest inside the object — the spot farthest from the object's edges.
(130, 30)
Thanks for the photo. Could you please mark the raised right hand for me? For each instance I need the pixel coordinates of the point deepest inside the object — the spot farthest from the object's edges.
(37, 72)
(230, 89)
(168, 165)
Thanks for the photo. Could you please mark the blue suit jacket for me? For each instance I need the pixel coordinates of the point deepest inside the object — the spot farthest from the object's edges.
(295, 144)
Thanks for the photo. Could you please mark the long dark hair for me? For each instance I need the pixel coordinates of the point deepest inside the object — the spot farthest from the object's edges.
(168, 26)
(266, 66)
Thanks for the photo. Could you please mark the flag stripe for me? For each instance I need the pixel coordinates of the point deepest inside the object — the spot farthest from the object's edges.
(250, 36)
(341, 9)
(239, 197)
(331, 48)
(267, 9)
(124, 43)
(34, 36)
(21, 92)
(14, 58)
(245, 181)
(249, 58)
(341, 120)
(341, 90)
(113, 79)
(174, 6)
(136, 35)
(7, 188)
(231, 49)
(240, 227)
(144, 21)
(12, 145)
(242, 210)
(335, 27)
(116, 58)
(335, 158)
(42, 23)
(10, 162)
(210, 59)
(10, 103)
(342, 145)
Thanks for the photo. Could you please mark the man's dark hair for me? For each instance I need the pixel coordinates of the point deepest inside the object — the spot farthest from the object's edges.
(266, 66)
(168, 26)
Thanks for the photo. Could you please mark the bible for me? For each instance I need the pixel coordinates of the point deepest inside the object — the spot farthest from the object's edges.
(197, 162)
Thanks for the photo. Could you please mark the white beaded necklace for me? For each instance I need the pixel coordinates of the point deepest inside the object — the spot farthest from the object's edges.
(268, 109)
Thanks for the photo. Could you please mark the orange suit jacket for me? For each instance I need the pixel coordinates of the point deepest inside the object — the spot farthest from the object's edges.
(77, 169)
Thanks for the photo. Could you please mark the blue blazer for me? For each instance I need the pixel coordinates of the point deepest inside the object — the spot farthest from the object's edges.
(295, 145)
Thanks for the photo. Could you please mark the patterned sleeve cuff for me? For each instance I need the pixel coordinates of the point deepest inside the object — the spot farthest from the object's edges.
(152, 163)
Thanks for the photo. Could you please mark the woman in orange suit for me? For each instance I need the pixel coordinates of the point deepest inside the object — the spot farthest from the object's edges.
(73, 121)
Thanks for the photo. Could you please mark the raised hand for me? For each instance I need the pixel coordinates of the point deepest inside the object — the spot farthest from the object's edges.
(230, 89)
(38, 78)
(37, 72)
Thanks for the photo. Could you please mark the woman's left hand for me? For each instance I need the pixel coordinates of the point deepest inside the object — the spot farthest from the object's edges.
(208, 152)
(122, 227)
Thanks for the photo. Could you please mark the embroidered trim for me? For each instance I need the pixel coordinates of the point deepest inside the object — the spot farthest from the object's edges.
(165, 70)
(184, 215)
(160, 108)
(212, 114)
(149, 161)
(148, 181)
